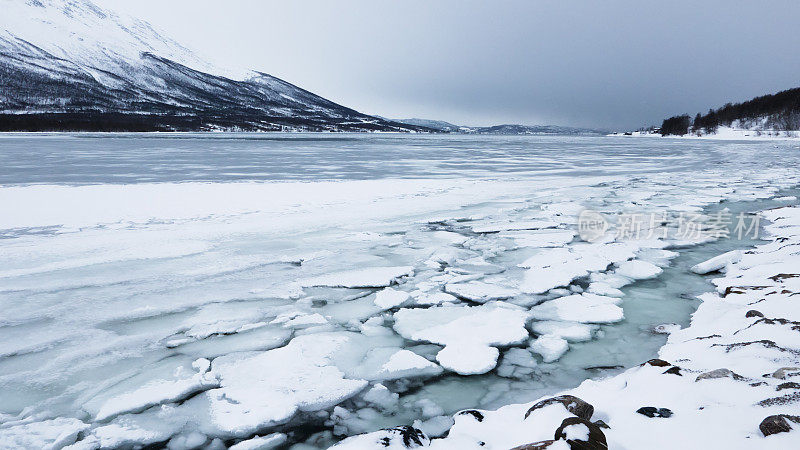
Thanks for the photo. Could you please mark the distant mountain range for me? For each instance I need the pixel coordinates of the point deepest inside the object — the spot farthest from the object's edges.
(501, 129)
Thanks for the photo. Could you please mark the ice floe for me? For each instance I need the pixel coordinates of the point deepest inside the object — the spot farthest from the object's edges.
(361, 278)
(554, 267)
(540, 238)
(480, 292)
(267, 442)
(638, 270)
(551, 347)
(718, 262)
(584, 308)
(389, 298)
(468, 333)
(293, 305)
(387, 363)
(571, 331)
(297, 377)
(468, 359)
(48, 434)
(157, 392)
(512, 226)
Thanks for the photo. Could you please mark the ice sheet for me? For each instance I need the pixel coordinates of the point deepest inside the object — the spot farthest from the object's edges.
(295, 291)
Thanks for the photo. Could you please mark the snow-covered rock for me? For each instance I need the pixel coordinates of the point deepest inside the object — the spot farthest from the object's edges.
(400, 438)
(717, 262)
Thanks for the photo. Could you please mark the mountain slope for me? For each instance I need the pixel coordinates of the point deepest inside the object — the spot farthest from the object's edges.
(69, 65)
(438, 125)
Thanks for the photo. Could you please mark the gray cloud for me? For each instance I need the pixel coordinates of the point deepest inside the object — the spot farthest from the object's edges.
(617, 64)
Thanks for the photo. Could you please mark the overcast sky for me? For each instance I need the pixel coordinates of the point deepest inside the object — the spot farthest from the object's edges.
(610, 63)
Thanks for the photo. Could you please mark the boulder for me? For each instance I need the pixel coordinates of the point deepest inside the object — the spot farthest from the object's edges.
(778, 423)
(404, 437)
(753, 313)
(652, 411)
(602, 424)
(655, 362)
(412, 437)
(783, 372)
(783, 276)
(581, 434)
(573, 404)
(719, 373)
(471, 412)
(541, 445)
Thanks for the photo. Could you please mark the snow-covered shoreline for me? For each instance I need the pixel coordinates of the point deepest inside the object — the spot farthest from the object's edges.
(731, 380)
(725, 134)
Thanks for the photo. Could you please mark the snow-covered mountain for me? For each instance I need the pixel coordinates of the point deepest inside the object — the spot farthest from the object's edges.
(438, 125)
(69, 64)
(509, 129)
(506, 129)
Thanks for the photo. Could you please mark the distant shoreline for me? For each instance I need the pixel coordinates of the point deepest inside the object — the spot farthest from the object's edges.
(722, 134)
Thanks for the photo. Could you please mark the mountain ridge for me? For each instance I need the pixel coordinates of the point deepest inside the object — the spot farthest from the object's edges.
(503, 129)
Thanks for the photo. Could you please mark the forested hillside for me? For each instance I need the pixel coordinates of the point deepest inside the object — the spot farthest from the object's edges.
(774, 112)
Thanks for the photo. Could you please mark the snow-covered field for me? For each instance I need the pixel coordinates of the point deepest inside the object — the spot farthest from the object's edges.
(258, 292)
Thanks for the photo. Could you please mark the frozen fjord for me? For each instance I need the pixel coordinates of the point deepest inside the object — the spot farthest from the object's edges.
(151, 299)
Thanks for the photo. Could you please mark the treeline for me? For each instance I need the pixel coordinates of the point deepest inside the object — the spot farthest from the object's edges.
(112, 121)
(779, 111)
